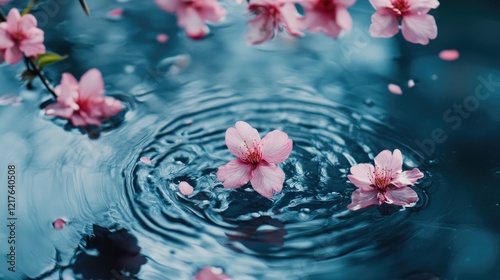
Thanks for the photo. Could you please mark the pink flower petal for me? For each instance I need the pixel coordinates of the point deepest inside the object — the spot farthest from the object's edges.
(384, 25)
(261, 29)
(390, 161)
(380, 4)
(411, 83)
(401, 196)
(235, 173)
(423, 6)
(146, 160)
(162, 38)
(27, 23)
(169, 5)
(289, 17)
(13, 19)
(59, 224)
(91, 84)
(58, 110)
(115, 13)
(449, 55)
(185, 188)
(276, 147)
(5, 39)
(419, 28)
(211, 273)
(344, 19)
(241, 139)
(362, 199)
(267, 179)
(395, 89)
(193, 23)
(408, 178)
(362, 176)
(13, 55)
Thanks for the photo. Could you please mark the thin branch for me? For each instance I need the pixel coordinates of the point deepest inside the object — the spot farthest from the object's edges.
(32, 66)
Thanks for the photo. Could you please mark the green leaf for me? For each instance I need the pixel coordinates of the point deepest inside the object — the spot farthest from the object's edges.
(48, 58)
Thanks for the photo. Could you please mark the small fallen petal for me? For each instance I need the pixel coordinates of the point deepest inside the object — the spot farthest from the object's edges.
(411, 83)
(211, 273)
(162, 38)
(449, 55)
(145, 160)
(185, 188)
(395, 89)
(10, 100)
(59, 224)
(115, 13)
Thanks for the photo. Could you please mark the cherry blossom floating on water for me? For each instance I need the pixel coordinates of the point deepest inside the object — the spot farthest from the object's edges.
(257, 159)
(19, 35)
(327, 16)
(185, 188)
(449, 55)
(162, 38)
(192, 15)
(83, 103)
(416, 25)
(59, 224)
(145, 160)
(211, 273)
(395, 89)
(115, 13)
(270, 16)
(383, 183)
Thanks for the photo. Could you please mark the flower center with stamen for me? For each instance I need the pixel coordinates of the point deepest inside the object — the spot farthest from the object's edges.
(400, 7)
(382, 178)
(325, 5)
(251, 154)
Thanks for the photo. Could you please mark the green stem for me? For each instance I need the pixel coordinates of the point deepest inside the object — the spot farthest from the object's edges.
(32, 66)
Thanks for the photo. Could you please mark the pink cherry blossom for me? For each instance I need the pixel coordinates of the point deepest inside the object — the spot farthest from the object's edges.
(328, 16)
(83, 103)
(271, 15)
(211, 273)
(3, 2)
(449, 55)
(59, 224)
(192, 14)
(185, 188)
(383, 183)
(18, 36)
(417, 26)
(257, 159)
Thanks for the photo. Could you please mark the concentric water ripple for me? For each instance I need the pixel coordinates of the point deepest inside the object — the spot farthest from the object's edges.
(308, 219)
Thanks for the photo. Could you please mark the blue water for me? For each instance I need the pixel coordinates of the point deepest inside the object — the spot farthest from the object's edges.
(127, 220)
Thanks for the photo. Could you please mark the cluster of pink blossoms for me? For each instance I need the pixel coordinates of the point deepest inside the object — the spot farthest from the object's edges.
(328, 16)
(257, 158)
(83, 103)
(19, 36)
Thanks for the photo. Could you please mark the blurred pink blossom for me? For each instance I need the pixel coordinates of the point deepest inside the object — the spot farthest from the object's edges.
(59, 224)
(327, 16)
(192, 15)
(211, 273)
(18, 36)
(449, 55)
(383, 183)
(395, 89)
(83, 103)
(257, 159)
(185, 188)
(271, 15)
(3, 2)
(417, 26)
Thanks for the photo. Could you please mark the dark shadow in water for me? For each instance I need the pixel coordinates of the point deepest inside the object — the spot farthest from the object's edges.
(260, 241)
(118, 258)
